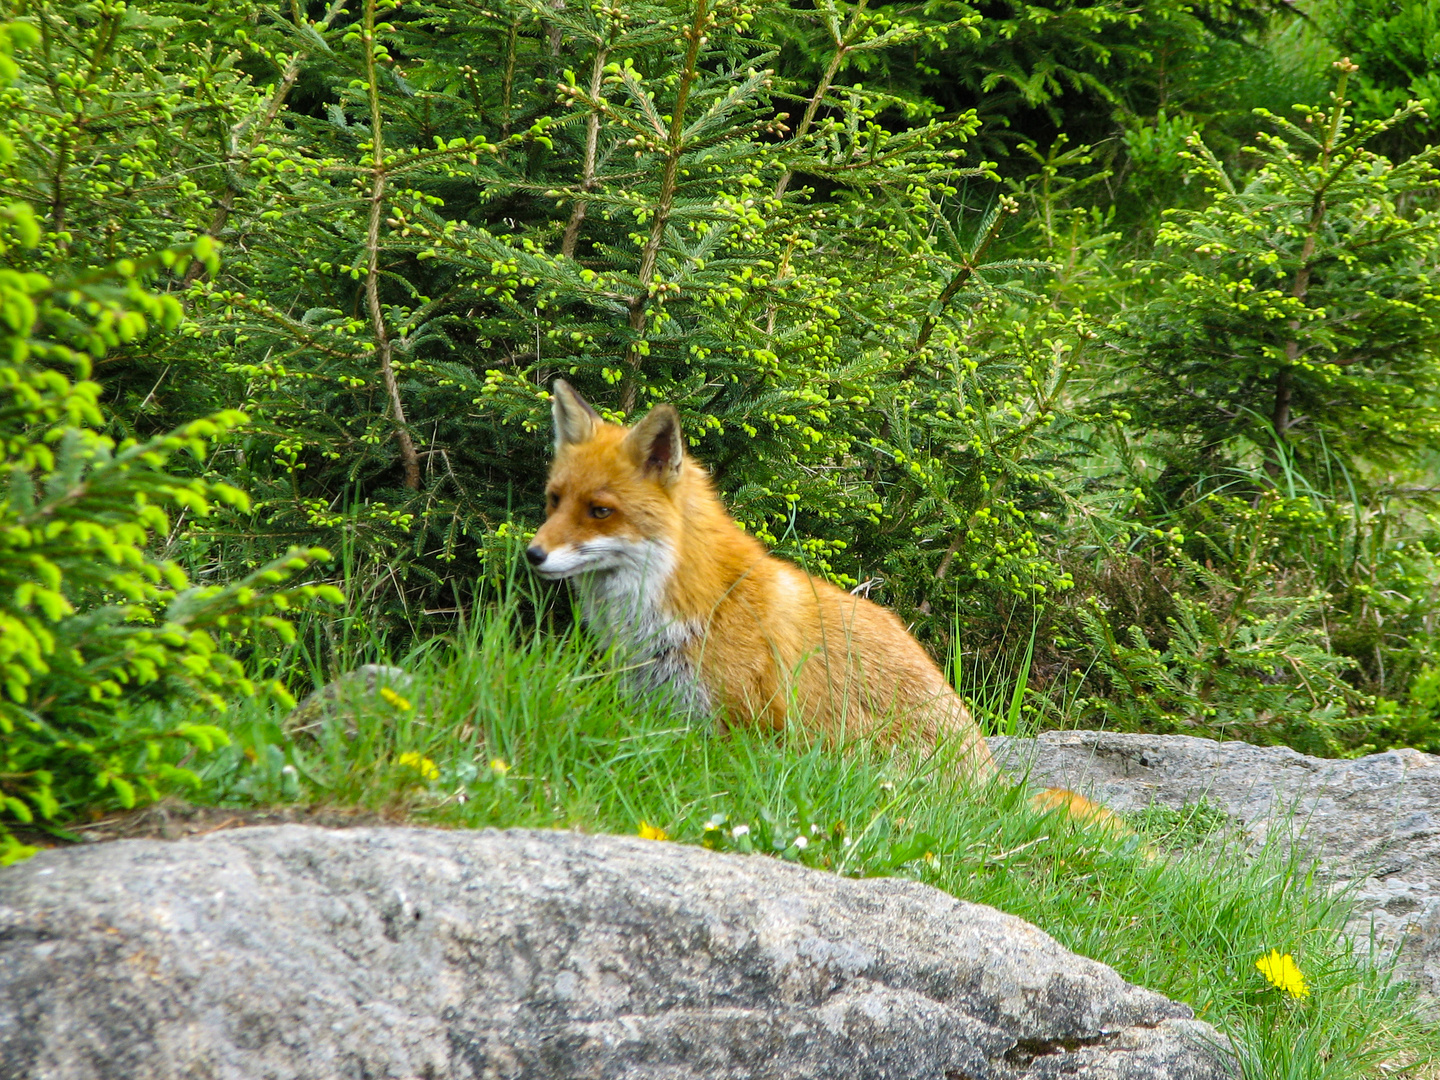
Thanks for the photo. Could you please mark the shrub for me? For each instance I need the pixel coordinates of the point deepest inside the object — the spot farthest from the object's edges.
(95, 625)
(631, 198)
(1294, 318)
(1396, 44)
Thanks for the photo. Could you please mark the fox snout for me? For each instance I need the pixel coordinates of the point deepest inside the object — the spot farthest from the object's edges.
(540, 559)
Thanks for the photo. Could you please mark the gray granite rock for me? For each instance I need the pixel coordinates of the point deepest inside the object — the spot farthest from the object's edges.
(289, 952)
(1373, 822)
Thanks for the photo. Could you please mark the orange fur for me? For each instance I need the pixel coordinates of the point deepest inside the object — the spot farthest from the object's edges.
(701, 608)
(1081, 809)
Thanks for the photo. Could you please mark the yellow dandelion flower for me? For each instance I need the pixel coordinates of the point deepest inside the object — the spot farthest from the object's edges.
(423, 765)
(394, 699)
(650, 832)
(1283, 972)
(500, 766)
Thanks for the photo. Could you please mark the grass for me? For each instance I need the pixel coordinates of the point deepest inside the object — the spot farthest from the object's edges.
(499, 727)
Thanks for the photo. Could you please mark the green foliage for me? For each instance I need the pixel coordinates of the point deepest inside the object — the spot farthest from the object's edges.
(93, 620)
(1031, 67)
(1415, 721)
(1295, 316)
(1396, 44)
(1189, 826)
(421, 244)
(116, 118)
(1262, 676)
(1277, 379)
(1303, 573)
(919, 372)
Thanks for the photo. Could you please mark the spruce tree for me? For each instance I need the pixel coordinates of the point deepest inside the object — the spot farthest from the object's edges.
(1295, 320)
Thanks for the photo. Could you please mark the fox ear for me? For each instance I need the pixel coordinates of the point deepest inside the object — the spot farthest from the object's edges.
(575, 420)
(656, 445)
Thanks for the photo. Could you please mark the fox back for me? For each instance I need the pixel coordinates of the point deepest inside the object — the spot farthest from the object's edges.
(703, 612)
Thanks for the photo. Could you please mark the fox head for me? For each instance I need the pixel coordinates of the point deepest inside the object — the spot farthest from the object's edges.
(610, 501)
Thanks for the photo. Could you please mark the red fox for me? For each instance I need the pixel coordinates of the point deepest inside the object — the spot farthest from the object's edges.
(702, 611)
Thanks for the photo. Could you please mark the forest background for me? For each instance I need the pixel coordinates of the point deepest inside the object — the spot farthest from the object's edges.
(1097, 339)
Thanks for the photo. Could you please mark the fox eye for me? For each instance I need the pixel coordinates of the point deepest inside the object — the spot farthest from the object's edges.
(600, 511)
(554, 499)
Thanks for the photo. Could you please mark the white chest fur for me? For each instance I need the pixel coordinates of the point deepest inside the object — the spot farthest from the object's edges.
(626, 608)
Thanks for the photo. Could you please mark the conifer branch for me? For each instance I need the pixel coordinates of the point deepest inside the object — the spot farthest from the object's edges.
(971, 263)
(512, 43)
(1281, 419)
(810, 109)
(842, 49)
(409, 459)
(674, 148)
(592, 141)
(236, 159)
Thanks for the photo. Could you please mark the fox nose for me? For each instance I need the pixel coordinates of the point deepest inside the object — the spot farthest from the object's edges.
(536, 555)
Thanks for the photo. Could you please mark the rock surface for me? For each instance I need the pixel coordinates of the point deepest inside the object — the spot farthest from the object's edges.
(1373, 822)
(294, 952)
